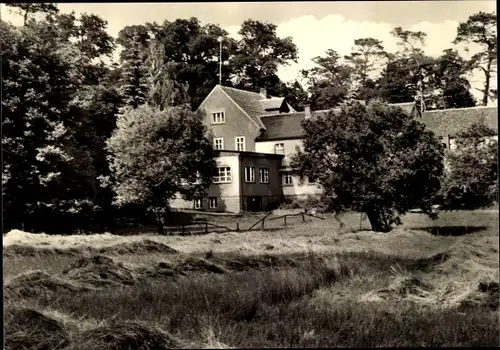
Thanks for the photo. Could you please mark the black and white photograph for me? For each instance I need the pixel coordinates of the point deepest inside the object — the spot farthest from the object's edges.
(216, 175)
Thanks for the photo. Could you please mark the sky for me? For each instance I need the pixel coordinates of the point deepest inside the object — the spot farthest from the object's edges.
(314, 26)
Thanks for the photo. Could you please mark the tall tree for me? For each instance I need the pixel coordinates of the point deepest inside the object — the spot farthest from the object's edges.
(454, 88)
(49, 70)
(134, 73)
(29, 9)
(368, 56)
(480, 28)
(374, 159)
(418, 62)
(155, 154)
(258, 55)
(330, 82)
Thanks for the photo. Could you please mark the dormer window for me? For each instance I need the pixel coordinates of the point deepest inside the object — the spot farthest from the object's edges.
(279, 148)
(218, 117)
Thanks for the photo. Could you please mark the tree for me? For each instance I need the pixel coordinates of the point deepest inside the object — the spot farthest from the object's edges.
(471, 175)
(134, 73)
(155, 154)
(257, 56)
(27, 9)
(330, 82)
(367, 56)
(39, 79)
(480, 28)
(418, 64)
(52, 103)
(374, 159)
(450, 79)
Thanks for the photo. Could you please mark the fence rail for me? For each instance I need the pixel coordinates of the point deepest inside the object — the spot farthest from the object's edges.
(204, 226)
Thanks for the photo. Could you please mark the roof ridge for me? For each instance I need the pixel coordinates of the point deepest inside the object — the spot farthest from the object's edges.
(241, 90)
(459, 109)
(281, 114)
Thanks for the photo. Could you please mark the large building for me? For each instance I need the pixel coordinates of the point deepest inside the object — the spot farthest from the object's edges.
(257, 134)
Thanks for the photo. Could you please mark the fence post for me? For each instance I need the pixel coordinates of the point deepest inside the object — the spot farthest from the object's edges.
(262, 226)
(206, 227)
(285, 219)
(303, 219)
(183, 229)
(237, 226)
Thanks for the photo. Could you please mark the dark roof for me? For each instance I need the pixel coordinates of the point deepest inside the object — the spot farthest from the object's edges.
(289, 126)
(450, 122)
(248, 101)
(282, 126)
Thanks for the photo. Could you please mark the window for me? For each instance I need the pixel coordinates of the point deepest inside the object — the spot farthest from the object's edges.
(198, 203)
(264, 175)
(224, 175)
(279, 148)
(219, 143)
(212, 202)
(249, 174)
(218, 118)
(240, 143)
(287, 179)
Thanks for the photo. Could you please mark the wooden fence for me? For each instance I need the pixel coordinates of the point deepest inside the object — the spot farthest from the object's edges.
(204, 227)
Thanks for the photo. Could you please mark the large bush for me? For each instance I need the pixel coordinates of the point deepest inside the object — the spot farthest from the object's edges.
(471, 175)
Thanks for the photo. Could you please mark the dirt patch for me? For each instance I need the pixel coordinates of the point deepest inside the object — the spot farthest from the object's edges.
(27, 328)
(99, 270)
(34, 283)
(129, 335)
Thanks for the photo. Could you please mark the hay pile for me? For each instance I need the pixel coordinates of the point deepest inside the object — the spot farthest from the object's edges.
(99, 270)
(192, 264)
(129, 335)
(402, 288)
(34, 283)
(138, 247)
(27, 328)
(20, 243)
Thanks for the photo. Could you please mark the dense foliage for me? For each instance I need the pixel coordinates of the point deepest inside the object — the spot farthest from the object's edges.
(471, 176)
(155, 154)
(61, 101)
(374, 159)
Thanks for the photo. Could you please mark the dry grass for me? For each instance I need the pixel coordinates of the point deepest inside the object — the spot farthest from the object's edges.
(308, 285)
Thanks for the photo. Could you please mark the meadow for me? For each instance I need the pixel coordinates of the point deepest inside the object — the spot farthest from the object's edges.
(320, 283)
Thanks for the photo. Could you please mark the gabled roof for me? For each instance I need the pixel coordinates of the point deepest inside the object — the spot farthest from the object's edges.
(248, 101)
(450, 122)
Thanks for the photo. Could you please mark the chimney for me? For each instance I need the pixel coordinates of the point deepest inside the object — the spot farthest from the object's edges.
(263, 92)
(307, 111)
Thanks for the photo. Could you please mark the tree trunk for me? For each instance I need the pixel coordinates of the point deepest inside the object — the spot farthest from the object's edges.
(486, 92)
(377, 221)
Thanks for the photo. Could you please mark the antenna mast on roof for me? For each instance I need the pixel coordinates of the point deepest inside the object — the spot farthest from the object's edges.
(219, 39)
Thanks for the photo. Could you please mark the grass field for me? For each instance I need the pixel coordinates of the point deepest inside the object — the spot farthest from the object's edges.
(313, 284)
